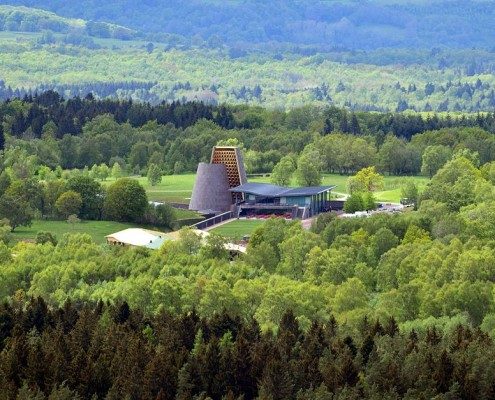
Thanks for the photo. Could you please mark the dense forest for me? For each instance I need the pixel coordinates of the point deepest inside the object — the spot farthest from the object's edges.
(322, 25)
(101, 101)
(80, 133)
(75, 65)
(114, 352)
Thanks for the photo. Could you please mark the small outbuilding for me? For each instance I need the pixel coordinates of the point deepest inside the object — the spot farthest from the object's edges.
(137, 237)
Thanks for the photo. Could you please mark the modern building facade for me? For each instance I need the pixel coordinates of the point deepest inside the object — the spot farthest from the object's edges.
(302, 202)
(222, 186)
(211, 190)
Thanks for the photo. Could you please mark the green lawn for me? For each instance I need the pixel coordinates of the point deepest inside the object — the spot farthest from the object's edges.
(97, 229)
(172, 188)
(238, 228)
(178, 188)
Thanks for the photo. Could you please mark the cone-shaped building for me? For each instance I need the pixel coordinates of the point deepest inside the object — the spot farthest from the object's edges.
(211, 189)
(213, 181)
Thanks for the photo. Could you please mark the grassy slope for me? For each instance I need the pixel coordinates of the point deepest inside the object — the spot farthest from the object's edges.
(172, 188)
(238, 228)
(178, 188)
(97, 229)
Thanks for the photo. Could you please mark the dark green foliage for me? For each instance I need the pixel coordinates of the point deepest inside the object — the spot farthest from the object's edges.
(16, 210)
(91, 193)
(160, 215)
(43, 237)
(354, 203)
(125, 200)
(79, 353)
(176, 136)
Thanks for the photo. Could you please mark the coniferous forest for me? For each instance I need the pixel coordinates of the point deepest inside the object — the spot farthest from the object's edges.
(114, 352)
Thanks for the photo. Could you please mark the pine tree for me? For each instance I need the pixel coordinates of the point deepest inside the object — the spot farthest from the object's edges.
(355, 128)
(2, 137)
(275, 383)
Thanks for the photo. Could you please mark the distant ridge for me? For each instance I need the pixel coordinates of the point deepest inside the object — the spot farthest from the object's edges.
(27, 19)
(319, 25)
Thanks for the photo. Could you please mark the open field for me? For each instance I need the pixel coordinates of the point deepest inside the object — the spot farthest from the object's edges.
(172, 188)
(238, 228)
(97, 229)
(178, 188)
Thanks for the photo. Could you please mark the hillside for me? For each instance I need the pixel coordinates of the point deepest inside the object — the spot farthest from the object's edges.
(321, 25)
(25, 19)
(81, 56)
(156, 72)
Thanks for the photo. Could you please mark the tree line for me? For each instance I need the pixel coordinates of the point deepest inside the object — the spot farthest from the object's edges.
(83, 133)
(97, 351)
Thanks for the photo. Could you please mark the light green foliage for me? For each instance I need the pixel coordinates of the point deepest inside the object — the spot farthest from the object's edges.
(369, 201)
(479, 220)
(346, 153)
(415, 234)
(471, 155)
(190, 241)
(454, 184)
(283, 171)
(366, 79)
(295, 249)
(410, 193)
(154, 174)
(116, 172)
(350, 295)
(434, 158)
(68, 203)
(215, 247)
(488, 172)
(366, 180)
(308, 172)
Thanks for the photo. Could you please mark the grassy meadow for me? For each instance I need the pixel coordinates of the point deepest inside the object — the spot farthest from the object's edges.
(238, 228)
(178, 188)
(96, 229)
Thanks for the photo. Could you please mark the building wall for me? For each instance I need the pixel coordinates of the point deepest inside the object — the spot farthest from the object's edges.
(211, 189)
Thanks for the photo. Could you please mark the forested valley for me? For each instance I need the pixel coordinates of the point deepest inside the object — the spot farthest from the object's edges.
(393, 305)
(106, 109)
(114, 352)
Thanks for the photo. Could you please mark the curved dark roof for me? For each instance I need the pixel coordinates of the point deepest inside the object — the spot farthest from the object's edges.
(268, 190)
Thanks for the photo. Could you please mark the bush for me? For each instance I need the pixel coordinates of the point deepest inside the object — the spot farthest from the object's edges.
(354, 203)
(126, 201)
(160, 215)
(43, 237)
